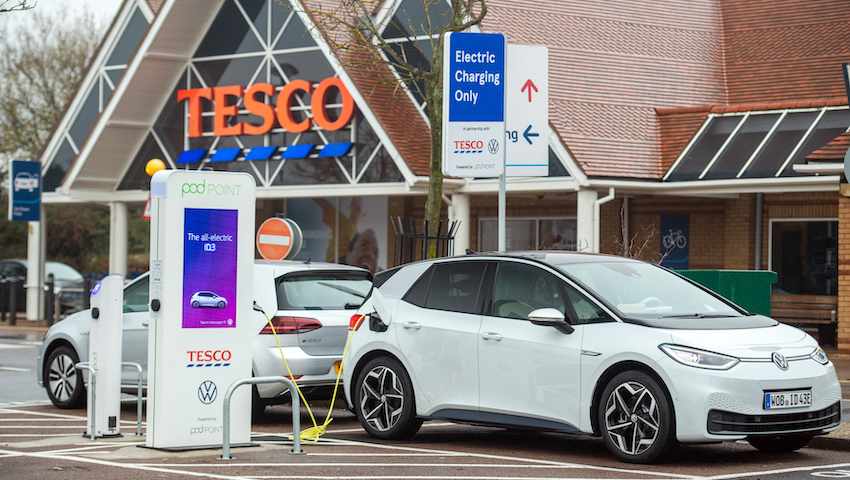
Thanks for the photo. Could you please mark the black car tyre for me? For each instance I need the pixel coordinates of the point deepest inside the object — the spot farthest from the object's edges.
(196, 304)
(62, 380)
(221, 305)
(779, 443)
(636, 418)
(384, 403)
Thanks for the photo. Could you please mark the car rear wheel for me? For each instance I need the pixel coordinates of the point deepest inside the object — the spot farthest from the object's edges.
(384, 401)
(779, 443)
(636, 419)
(62, 380)
(196, 304)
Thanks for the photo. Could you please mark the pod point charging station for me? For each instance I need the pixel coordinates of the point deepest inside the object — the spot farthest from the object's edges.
(201, 291)
(105, 337)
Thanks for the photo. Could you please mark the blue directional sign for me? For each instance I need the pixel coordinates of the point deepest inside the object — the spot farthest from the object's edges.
(474, 104)
(24, 191)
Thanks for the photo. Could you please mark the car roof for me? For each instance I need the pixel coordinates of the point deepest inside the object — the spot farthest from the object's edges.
(552, 257)
(285, 266)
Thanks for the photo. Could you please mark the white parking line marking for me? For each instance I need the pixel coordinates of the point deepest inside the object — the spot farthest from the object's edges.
(43, 427)
(132, 466)
(13, 345)
(42, 420)
(774, 472)
(43, 414)
(15, 369)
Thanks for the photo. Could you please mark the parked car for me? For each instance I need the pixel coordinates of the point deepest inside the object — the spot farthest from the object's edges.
(579, 343)
(207, 299)
(68, 283)
(309, 305)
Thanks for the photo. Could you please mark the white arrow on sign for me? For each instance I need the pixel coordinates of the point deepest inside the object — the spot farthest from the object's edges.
(527, 111)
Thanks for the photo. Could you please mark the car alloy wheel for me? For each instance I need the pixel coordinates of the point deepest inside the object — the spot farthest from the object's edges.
(385, 405)
(62, 380)
(636, 419)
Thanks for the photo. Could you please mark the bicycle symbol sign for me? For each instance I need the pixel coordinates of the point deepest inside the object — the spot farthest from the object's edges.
(674, 239)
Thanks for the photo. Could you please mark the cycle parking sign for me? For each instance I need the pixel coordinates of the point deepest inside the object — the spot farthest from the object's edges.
(675, 232)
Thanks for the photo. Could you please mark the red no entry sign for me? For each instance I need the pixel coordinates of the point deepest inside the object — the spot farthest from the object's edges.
(278, 239)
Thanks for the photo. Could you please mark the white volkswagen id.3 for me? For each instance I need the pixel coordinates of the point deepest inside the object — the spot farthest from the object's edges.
(579, 343)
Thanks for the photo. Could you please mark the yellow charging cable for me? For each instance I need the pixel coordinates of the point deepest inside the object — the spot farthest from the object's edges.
(312, 434)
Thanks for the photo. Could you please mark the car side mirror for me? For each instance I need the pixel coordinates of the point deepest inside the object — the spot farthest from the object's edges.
(550, 317)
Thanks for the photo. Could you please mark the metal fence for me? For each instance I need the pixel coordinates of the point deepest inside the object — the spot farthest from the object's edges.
(412, 245)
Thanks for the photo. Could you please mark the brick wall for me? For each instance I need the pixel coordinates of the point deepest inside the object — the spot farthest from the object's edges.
(843, 274)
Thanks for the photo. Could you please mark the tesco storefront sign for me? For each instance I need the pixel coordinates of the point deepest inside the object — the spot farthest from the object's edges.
(225, 101)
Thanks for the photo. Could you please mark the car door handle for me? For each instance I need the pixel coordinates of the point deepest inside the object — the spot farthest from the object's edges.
(491, 336)
(145, 324)
(412, 325)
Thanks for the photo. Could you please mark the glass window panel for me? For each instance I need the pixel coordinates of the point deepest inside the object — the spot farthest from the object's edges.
(558, 234)
(556, 168)
(411, 19)
(295, 36)
(86, 117)
(221, 73)
(415, 54)
(229, 33)
(311, 66)
(239, 167)
(136, 178)
(455, 287)
(419, 291)
(783, 140)
(521, 289)
(520, 234)
(832, 124)
(115, 75)
(704, 149)
(56, 172)
(382, 169)
(169, 126)
(736, 154)
(259, 14)
(279, 15)
(130, 38)
(805, 257)
(310, 171)
(367, 140)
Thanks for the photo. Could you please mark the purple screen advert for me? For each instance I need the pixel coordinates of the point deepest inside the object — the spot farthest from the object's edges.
(209, 268)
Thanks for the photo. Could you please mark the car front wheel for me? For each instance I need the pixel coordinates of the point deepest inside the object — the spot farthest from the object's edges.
(62, 380)
(384, 401)
(636, 418)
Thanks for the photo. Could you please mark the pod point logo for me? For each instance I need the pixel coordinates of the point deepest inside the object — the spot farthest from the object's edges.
(493, 146)
(207, 392)
(212, 189)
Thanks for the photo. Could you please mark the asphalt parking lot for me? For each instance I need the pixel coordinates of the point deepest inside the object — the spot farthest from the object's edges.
(40, 441)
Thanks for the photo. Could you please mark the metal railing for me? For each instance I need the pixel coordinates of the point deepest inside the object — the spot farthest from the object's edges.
(411, 245)
(93, 372)
(138, 396)
(296, 411)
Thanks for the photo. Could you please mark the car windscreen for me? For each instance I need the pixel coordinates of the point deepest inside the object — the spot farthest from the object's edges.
(323, 291)
(61, 271)
(642, 290)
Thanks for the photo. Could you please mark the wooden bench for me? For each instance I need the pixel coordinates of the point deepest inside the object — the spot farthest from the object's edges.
(819, 311)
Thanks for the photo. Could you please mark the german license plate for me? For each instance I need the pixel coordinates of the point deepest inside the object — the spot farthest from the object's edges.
(789, 399)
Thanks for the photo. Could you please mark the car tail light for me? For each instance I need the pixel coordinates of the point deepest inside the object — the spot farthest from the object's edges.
(288, 325)
(356, 321)
(294, 377)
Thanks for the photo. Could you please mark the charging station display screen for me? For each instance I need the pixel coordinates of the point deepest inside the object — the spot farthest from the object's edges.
(209, 268)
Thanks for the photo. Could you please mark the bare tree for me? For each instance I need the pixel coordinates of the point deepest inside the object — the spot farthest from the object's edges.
(18, 5)
(350, 27)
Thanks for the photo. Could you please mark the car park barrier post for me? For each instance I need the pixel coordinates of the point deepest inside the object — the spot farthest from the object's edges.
(50, 299)
(296, 412)
(13, 301)
(93, 375)
(4, 295)
(138, 396)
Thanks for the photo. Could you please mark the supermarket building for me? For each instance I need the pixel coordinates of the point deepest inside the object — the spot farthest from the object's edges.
(717, 127)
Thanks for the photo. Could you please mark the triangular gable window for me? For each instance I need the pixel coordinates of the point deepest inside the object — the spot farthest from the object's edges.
(260, 41)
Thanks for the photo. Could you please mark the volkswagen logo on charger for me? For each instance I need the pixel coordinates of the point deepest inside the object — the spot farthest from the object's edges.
(207, 392)
(779, 360)
(493, 146)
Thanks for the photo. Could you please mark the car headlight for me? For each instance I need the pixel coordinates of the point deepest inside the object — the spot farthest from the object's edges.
(819, 356)
(699, 358)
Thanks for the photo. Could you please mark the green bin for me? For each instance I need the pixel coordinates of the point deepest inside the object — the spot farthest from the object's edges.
(748, 288)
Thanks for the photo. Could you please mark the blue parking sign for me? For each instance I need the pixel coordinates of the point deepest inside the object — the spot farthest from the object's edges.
(24, 191)
(476, 87)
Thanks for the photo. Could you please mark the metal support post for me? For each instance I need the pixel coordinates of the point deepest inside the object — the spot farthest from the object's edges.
(138, 396)
(296, 411)
(50, 299)
(93, 386)
(13, 301)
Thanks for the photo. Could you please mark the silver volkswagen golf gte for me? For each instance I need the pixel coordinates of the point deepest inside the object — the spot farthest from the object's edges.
(579, 343)
(309, 305)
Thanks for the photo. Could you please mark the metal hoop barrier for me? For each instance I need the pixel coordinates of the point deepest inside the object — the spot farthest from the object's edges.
(86, 366)
(296, 411)
(138, 396)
